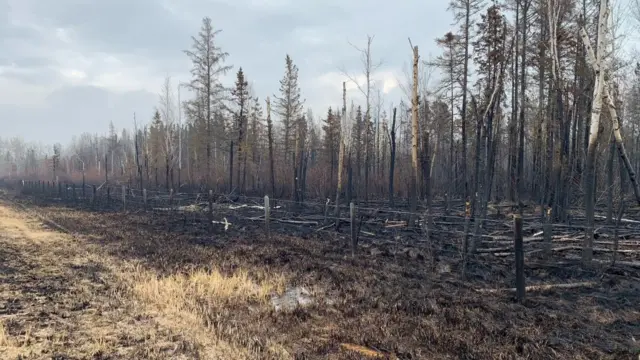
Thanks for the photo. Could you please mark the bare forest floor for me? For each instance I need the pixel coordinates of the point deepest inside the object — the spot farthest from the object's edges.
(107, 285)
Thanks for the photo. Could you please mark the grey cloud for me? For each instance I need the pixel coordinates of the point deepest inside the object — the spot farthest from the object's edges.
(257, 38)
(145, 26)
(70, 111)
(25, 62)
(41, 76)
(113, 26)
(13, 33)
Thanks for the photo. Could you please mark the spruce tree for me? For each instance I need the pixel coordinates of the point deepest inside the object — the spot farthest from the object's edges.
(331, 130)
(207, 69)
(240, 94)
(463, 11)
(289, 104)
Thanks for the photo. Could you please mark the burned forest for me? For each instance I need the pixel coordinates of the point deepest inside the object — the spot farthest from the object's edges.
(489, 210)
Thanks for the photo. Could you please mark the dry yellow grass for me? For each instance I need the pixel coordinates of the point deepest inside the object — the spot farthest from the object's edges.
(15, 347)
(3, 335)
(363, 351)
(4, 339)
(188, 303)
(179, 292)
(142, 315)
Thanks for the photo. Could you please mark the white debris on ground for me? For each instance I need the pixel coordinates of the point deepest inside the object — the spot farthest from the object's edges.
(291, 299)
(442, 268)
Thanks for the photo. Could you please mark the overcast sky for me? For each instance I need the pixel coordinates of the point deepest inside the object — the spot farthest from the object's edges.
(69, 66)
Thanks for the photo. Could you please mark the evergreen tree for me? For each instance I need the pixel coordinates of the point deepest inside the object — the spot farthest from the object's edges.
(156, 140)
(256, 138)
(240, 94)
(331, 146)
(207, 69)
(464, 11)
(451, 63)
(289, 104)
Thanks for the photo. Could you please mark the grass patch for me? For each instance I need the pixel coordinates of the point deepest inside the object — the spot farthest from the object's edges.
(202, 303)
(184, 292)
(10, 347)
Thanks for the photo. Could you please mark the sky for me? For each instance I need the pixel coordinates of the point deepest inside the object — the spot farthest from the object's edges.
(72, 66)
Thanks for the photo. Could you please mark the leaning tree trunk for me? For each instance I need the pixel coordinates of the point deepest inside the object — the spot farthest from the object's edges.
(594, 62)
(587, 253)
(624, 159)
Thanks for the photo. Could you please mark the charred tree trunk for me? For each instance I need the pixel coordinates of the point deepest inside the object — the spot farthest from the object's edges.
(426, 166)
(465, 76)
(415, 134)
(106, 172)
(231, 167)
(341, 152)
(303, 177)
(244, 173)
(427, 169)
(538, 189)
(610, 164)
(349, 180)
(523, 83)
(146, 168)
(513, 127)
(476, 181)
(392, 160)
(166, 173)
(270, 141)
(138, 165)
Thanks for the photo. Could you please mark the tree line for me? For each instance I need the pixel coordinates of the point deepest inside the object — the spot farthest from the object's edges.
(530, 107)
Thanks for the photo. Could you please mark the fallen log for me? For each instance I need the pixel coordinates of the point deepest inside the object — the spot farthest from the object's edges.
(325, 227)
(247, 206)
(633, 264)
(542, 287)
(621, 220)
(604, 250)
(297, 222)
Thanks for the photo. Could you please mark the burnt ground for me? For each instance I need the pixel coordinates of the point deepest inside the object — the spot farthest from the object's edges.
(145, 286)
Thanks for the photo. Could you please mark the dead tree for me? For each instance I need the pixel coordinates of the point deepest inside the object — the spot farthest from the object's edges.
(136, 143)
(415, 132)
(521, 115)
(609, 100)
(368, 69)
(426, 170)
(341, 154)
(392, 161)
(270, 140)
(590, 173)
